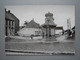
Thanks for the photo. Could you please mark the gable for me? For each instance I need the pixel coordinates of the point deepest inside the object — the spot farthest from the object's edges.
(32, 24)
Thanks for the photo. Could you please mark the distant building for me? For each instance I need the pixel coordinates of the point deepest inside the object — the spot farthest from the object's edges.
(11, 23)
(31, 28)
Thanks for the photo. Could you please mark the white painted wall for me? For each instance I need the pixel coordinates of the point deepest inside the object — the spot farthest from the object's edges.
(28, 31)
(58, 31)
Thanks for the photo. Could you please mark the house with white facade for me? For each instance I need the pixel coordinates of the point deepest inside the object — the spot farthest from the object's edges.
(31, 28)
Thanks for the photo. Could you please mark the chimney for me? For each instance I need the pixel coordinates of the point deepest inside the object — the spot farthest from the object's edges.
(9, 11)
(5, 9)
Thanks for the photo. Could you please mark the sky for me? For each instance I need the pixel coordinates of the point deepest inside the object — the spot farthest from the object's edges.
(60, 13)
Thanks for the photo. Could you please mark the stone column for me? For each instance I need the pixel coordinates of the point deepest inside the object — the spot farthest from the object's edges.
(47, 32)
(14, 28)
(8, 29)
(11, 27)
(54, 31)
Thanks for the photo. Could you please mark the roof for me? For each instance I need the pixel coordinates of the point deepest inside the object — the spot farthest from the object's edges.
(73, 28)
(59, 28)
(10, 16)
(52, 24)
(32, 24)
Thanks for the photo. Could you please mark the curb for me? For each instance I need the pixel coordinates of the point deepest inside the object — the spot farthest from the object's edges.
(40, 52)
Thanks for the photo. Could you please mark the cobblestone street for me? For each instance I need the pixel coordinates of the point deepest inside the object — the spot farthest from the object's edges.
(61, 45)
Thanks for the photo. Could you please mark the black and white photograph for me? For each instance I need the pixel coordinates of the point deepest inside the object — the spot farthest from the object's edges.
(39, 30)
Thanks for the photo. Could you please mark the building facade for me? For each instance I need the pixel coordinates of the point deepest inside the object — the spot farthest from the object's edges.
(11, 23)
(31, 28)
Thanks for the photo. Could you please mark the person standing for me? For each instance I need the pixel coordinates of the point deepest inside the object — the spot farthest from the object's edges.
(32, 36)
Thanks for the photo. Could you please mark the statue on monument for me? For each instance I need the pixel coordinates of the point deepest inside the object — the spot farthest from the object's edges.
(49, 18)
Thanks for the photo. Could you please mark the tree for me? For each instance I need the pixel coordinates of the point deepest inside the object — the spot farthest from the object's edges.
(25, 23)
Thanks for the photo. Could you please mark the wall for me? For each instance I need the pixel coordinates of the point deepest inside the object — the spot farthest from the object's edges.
(28, 31)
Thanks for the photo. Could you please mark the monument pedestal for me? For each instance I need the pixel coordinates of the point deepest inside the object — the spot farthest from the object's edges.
(49, 27)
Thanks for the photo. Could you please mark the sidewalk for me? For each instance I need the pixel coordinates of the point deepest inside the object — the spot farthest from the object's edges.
(63, 38)
(26, 52)
(60, 39)
(26, 38)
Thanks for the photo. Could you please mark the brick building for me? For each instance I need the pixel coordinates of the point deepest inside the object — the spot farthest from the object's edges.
(11, 23)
